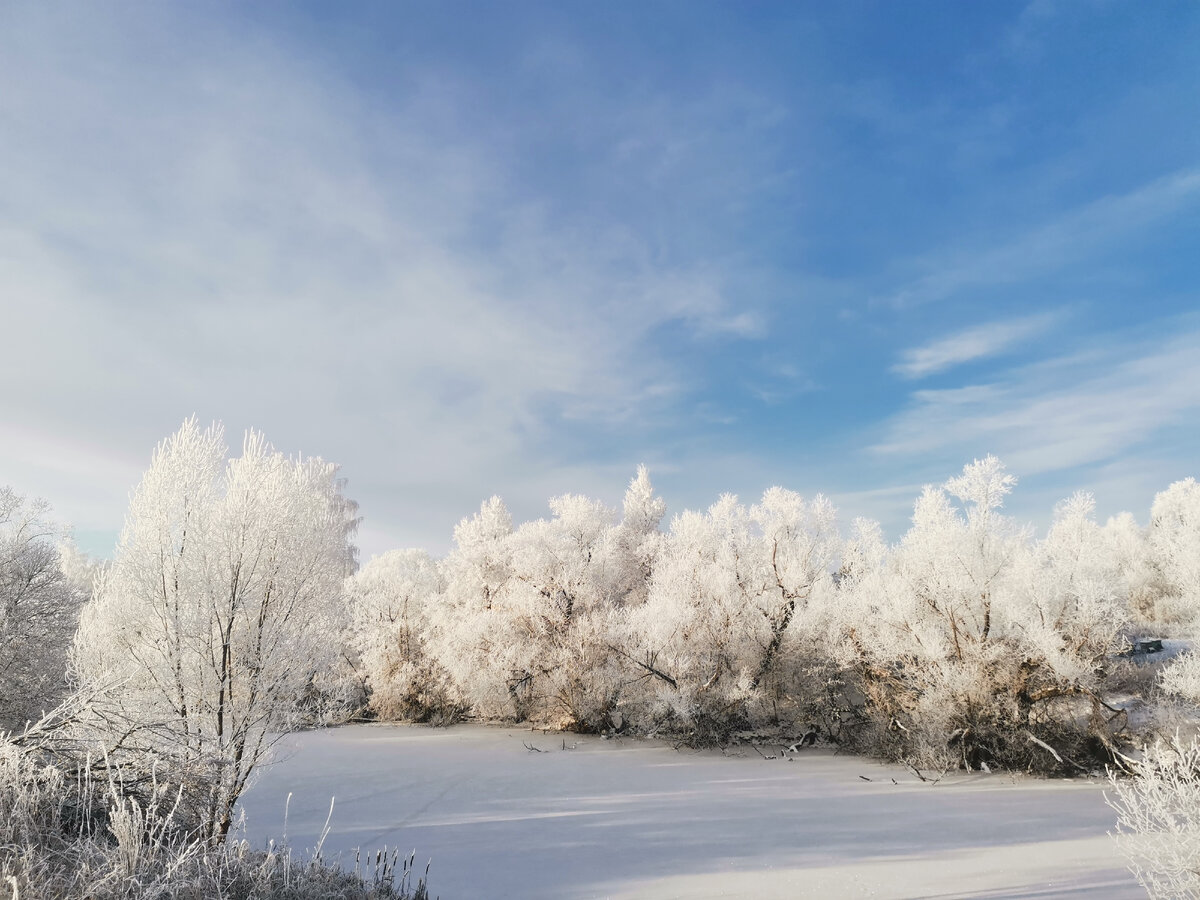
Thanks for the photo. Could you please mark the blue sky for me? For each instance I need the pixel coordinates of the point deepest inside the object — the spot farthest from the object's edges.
(466, 249)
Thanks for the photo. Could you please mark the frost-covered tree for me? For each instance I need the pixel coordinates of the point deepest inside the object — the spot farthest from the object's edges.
(637, 542)
(559, 601)
(529, 621)
(1070, 615)
(931, 640)
(1181, 678)
(43, 583)
(391, 602)
(1174, 539)
(216, 612)
(717, 632)
(523, 617)
(974, 640)
(1071, 606)
(468, 630)
(1148, 608)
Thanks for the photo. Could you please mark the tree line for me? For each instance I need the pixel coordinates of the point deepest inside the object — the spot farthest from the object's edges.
(969, 642)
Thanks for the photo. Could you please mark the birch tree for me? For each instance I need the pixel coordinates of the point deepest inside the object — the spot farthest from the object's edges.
(215, 613)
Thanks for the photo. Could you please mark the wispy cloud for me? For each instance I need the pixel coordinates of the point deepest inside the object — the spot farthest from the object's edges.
(246, 237)
(971, 344)
(1067, 239)
(1070, 411)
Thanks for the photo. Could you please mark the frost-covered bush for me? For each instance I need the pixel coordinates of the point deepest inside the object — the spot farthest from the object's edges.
(1181, 678)
(1158, 825)
(80, 819)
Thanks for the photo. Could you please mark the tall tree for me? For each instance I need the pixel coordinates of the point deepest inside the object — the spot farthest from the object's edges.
(215, 613)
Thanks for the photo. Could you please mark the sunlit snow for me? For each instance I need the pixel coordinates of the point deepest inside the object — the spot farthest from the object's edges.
(631, 818)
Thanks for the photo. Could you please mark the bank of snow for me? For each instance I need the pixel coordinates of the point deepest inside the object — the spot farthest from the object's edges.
(640, 819)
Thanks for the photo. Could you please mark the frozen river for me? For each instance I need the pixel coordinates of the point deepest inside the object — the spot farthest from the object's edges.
(639, 819)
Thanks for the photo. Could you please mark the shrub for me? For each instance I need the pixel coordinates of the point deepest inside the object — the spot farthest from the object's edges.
(1158, 824)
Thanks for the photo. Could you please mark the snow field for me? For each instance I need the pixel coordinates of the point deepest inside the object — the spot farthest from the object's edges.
(633, 818)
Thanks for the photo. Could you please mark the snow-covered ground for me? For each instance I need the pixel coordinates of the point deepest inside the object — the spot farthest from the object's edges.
(640, 819)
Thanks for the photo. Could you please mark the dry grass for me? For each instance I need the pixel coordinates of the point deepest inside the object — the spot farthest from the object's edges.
(74, 828)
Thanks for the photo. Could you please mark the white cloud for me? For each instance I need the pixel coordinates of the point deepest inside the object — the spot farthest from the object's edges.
(1075, 410)
(974, 343)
